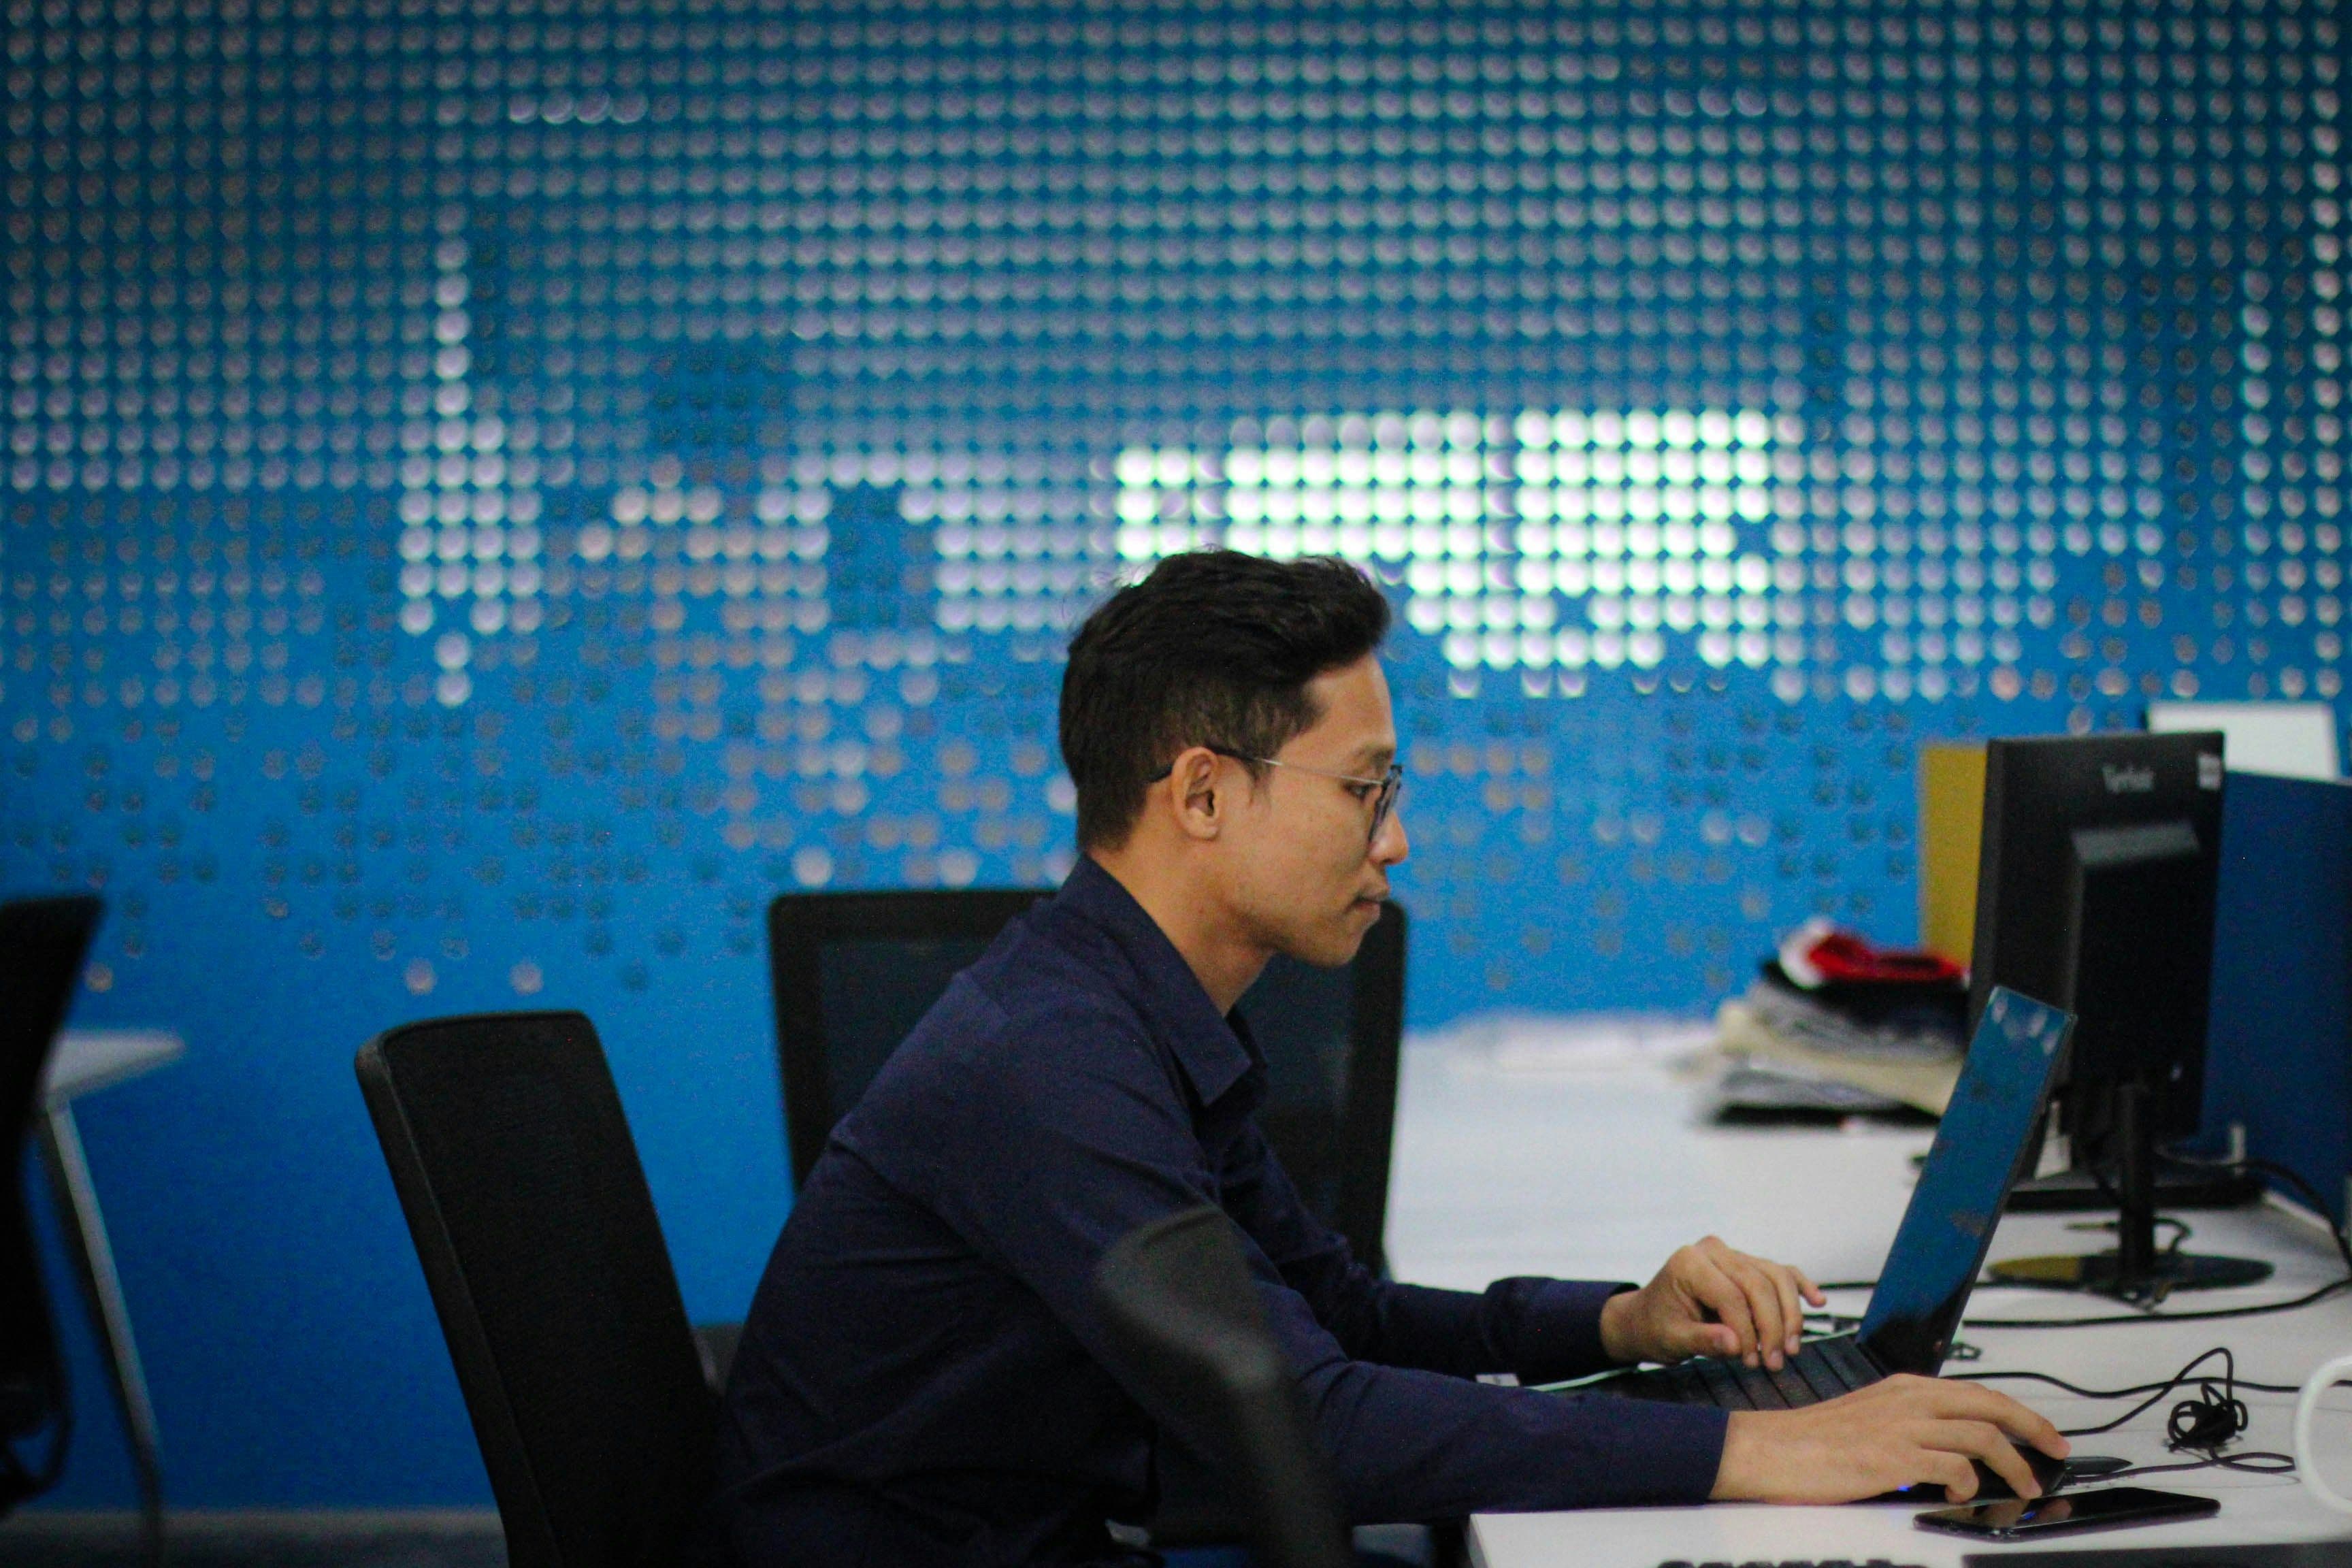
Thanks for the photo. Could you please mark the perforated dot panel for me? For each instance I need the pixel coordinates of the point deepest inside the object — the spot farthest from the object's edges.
(514, 452)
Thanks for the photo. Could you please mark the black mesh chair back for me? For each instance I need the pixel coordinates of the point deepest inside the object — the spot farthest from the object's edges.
(1191, 1342)
(530, 1212)
(853, 972)
(42, 944)
(1330, 1038)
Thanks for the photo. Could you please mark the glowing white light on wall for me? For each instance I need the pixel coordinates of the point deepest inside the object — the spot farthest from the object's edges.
(1555, 539)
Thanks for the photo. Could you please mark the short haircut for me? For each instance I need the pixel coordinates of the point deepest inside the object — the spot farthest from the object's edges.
(1213, 648)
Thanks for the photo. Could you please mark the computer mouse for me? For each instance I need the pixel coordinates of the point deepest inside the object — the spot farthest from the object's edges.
(2052, 1475)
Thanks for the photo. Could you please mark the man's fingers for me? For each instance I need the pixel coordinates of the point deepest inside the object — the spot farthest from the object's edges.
(1680, 1339)
(1955, 1400)
(1807, 1289)
(2029, 1426)
(1772, 1317)
(1765, 1305)
(1793, 1311)
(1983, 1440)
(1773, 1292)
(1720, 1294)
(1950, 1472)
(1902, 1431)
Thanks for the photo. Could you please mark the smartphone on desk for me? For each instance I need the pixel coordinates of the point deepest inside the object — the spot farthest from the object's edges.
(2019, 1519)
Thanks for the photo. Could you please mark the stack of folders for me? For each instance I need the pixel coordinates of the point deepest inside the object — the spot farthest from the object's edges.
(1835, 1024)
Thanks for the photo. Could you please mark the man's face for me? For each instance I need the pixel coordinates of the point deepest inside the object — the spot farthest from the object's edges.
(1307, 878)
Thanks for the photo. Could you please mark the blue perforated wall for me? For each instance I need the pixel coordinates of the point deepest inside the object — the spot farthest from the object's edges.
(495, 492)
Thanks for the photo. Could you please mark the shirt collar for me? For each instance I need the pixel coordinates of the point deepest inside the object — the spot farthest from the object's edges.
(1167, 995)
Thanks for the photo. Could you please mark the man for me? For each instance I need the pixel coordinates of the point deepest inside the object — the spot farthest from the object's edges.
(922, 1381)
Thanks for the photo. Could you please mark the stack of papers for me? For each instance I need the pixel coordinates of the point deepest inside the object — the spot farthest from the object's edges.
(1909, 1069)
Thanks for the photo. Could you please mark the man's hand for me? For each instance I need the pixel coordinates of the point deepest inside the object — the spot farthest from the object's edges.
(1710, 1300)
(1893, 1433)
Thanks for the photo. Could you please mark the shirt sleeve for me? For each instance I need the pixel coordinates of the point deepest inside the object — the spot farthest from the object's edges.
(1540, 1330)
(1407, 1443)
(1089, 1139)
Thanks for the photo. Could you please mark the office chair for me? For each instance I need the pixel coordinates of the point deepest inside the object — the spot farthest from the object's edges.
(42, 943)
(522, 1191)
(1191, 1342)
(853, 972)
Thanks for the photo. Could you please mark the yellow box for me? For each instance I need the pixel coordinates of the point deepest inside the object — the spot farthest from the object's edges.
(1951, 826)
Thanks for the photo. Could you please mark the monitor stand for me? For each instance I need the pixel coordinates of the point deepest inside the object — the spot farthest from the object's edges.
(2178, 1187)
(2135, 1271)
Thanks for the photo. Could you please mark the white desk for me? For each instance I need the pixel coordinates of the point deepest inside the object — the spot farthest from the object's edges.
(1598, 1172)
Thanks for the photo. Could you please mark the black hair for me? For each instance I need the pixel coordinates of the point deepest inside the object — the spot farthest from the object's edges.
(1213, 648)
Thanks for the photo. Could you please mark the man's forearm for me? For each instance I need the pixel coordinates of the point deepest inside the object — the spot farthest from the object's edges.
(1539, 1329)
(1409, 1445)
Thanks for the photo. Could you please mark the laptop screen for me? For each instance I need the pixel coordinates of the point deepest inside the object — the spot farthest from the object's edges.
(1978, 1153)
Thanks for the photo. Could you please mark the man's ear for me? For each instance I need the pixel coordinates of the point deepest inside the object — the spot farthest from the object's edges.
(1192, 794)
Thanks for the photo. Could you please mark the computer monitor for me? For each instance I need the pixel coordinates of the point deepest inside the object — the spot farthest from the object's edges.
(2095, 888)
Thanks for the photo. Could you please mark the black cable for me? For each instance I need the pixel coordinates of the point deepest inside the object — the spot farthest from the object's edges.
(2132, 1393)
(1838, 1323)
(2286, 1173)
(2253, 1461)
(2205, 1424)
(2215, 1314)
(2211, 1315)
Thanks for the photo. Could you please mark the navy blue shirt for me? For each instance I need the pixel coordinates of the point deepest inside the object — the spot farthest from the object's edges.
(921, 1379)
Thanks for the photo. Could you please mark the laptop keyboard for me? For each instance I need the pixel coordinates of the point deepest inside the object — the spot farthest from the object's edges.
(1821, 1368)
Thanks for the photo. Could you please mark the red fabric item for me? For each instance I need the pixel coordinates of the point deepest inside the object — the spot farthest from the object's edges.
(1818, 953)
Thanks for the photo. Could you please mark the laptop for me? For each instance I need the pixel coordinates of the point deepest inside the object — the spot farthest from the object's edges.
(1980, 1152)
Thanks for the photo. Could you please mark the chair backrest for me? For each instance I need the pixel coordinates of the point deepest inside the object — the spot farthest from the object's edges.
(531, 1215)
(42, 944)
(1191, 1342)
(853, 972)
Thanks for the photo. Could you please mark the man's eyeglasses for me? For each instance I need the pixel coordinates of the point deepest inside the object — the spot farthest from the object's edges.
(1380, 792)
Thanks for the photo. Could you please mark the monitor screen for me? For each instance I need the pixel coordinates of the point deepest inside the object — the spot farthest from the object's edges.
(2094, 890)
(1979, 1149)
